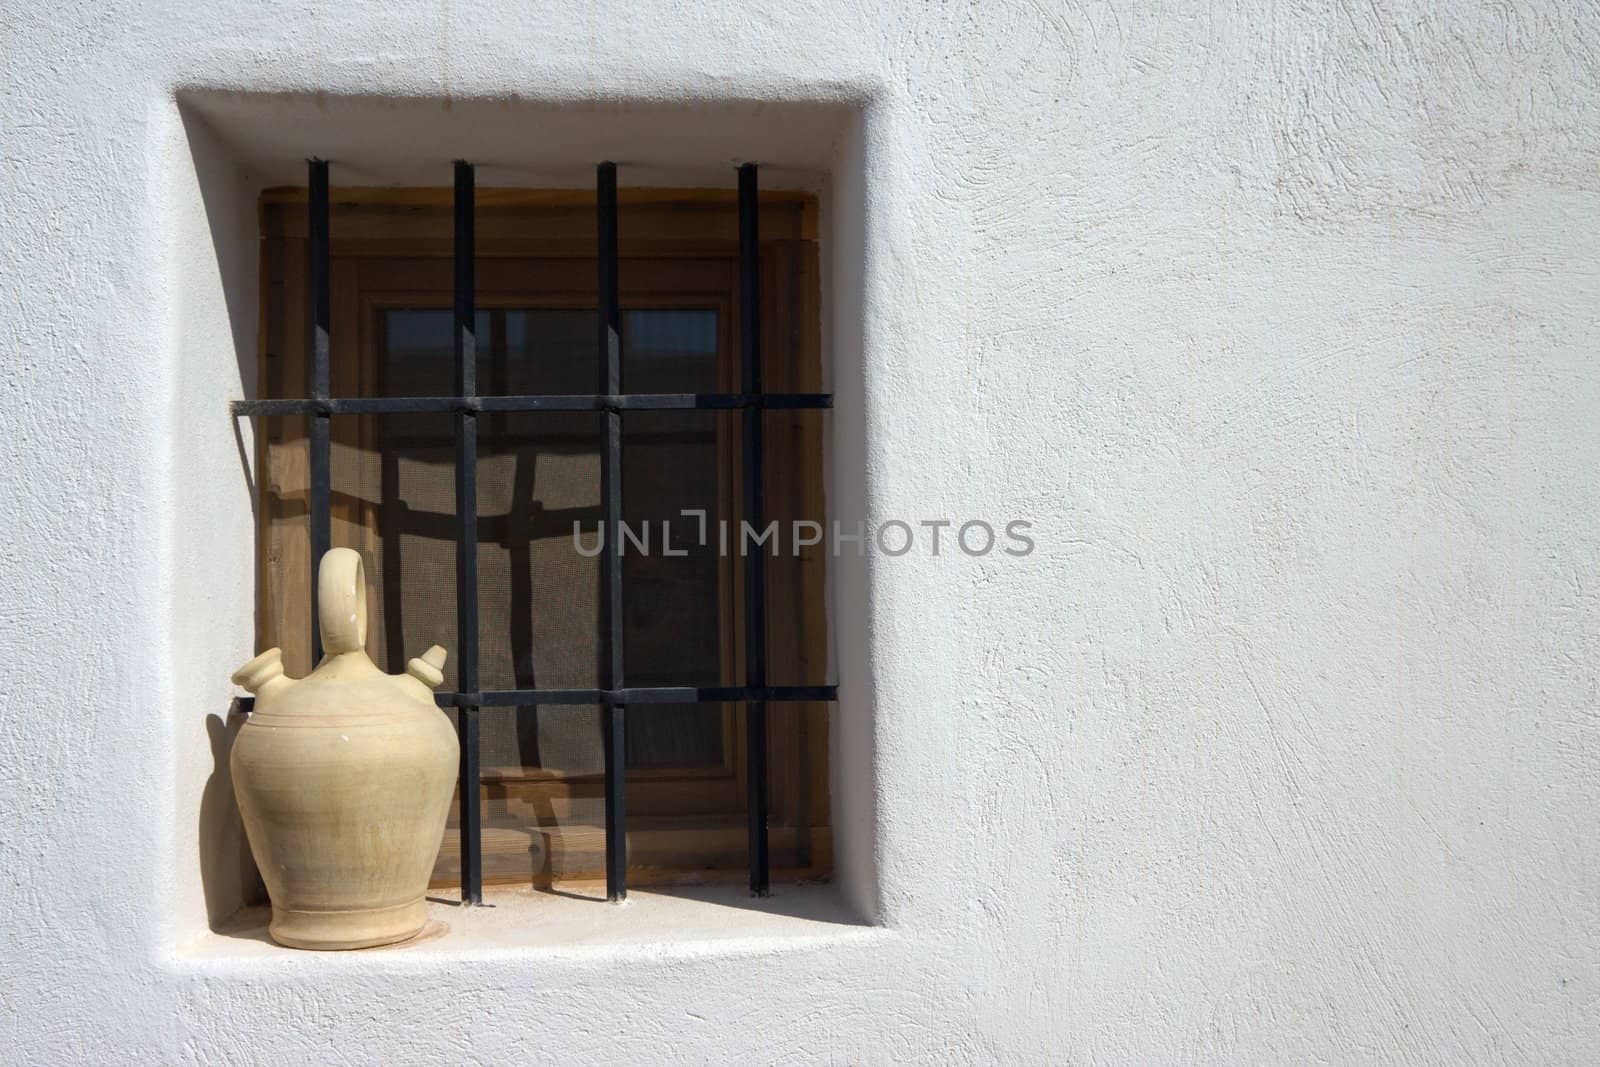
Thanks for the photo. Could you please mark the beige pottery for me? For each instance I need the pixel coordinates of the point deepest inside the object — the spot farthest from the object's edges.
(344, 779)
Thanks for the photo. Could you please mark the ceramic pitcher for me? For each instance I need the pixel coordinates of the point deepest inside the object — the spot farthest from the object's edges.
(344, 779)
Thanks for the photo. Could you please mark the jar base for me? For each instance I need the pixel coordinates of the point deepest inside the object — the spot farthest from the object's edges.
(339, 930)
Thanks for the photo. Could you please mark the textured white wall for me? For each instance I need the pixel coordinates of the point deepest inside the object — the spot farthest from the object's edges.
(1278, 321)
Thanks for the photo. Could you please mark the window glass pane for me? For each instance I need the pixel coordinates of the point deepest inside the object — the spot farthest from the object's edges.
(669, 350)
(416, 351)
(539, 350)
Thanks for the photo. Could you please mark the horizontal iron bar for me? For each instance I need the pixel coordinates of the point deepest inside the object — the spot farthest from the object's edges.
(683, 694)
(444, 405)
(679, 694)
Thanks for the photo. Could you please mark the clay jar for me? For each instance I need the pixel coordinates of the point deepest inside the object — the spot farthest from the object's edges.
(344, 779)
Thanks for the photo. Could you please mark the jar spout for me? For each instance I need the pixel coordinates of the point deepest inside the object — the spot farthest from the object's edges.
(428, 668)
(264, 675)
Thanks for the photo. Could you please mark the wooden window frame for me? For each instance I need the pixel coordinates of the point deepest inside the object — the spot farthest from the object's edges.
(385, 245)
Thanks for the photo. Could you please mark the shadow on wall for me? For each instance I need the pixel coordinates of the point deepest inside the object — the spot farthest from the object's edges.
(226, 269)
(229, 199)
(227, 870)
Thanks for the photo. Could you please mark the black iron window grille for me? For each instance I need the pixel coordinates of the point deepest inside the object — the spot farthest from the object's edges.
(614, 695)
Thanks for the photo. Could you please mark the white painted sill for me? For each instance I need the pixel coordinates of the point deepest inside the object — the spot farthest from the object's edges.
(680, 922)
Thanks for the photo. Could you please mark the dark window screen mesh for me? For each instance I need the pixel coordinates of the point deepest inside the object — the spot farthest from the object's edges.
(537, 475)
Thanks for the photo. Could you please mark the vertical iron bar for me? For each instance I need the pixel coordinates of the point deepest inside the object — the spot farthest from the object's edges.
(614, 715)
(755, 588)
(321, 305)
(466, 357)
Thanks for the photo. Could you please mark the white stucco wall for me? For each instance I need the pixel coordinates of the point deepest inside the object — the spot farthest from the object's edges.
(1278, 322)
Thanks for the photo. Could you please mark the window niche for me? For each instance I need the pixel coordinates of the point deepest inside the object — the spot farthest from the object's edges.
(237, 148)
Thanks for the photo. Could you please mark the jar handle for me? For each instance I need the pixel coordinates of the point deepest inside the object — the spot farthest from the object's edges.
(342, 601)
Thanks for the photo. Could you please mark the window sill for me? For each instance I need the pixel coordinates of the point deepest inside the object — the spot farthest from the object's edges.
(573, 924)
